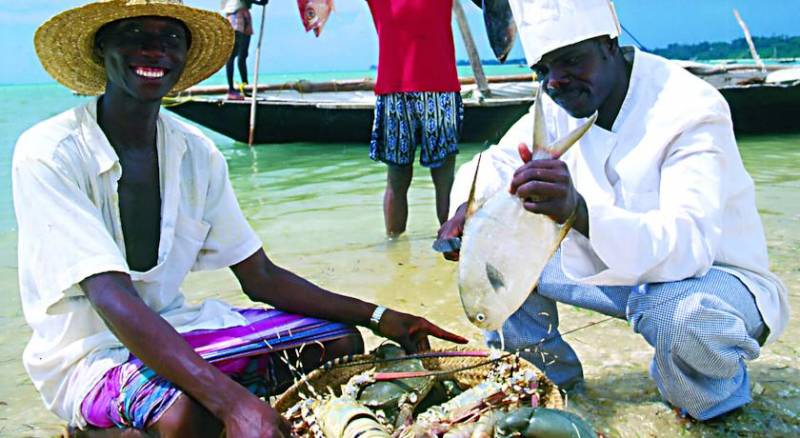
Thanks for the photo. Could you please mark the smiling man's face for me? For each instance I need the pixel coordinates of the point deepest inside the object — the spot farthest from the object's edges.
(580, 77)
(143, 56)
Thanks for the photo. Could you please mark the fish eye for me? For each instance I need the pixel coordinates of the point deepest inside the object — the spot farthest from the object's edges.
(310, 13)
(480, 317)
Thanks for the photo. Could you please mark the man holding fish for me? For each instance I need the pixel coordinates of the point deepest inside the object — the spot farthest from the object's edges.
(660, 225)
(116, 202)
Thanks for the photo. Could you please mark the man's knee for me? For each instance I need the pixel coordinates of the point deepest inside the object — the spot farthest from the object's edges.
(704, 335)
(399, 178)
(351, 344)
(186, 417)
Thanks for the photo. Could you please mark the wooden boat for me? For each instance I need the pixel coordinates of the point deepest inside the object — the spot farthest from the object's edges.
(341, 111)
(761, 101)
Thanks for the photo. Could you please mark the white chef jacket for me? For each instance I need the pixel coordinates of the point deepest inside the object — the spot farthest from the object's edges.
(65, 175)
(667, 194)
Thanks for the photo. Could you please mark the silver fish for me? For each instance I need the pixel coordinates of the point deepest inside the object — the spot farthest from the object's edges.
(505, 248)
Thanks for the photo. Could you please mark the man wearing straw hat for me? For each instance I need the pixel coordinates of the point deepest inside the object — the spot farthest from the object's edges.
(115, 203)
(666, 231)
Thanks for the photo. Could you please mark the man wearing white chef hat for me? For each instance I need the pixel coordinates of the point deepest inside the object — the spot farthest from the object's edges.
(666, 233)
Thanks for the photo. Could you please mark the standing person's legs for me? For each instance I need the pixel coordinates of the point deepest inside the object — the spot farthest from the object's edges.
(393, 142)
(443, 176)
(534, 327)
(395, 199)
(439, 117)
(230, 64)
(703, 330)
(243, 50)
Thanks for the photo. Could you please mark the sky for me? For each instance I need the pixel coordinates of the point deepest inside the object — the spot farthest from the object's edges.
(348, 42)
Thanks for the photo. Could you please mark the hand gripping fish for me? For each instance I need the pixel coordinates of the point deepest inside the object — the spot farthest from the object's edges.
(504, 247)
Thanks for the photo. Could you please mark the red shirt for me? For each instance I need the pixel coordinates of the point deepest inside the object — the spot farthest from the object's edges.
(415, 43)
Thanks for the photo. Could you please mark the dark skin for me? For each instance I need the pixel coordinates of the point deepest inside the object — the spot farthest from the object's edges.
(584, 78)
(144, 58)
(395, 198)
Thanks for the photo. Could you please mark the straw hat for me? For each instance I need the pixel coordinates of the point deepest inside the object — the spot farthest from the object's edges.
(65, 43)
(547, 25)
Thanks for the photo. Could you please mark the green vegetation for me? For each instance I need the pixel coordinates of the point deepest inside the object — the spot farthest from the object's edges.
(768, 47)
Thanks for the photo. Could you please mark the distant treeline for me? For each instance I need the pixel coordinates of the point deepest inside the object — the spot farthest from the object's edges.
(767, 47)
(520, 61)
(463, 62)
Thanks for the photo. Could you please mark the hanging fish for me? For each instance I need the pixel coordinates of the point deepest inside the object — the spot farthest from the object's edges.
(314, 14)
(504, 247)
(500, 26)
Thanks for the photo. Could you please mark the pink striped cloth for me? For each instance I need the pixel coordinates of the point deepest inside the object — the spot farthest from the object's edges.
(132, 395)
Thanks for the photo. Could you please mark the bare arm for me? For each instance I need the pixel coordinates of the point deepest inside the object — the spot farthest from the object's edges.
(265, 282)
(137, 326)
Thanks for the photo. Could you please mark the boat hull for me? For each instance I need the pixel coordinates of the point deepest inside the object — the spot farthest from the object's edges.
(764, 108)
(347, 116)
(288, 122)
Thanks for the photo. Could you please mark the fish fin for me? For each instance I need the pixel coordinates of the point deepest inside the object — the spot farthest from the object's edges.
(557, 149)
(471, 207)
(562, 233)
(495, 277)
(539, 126)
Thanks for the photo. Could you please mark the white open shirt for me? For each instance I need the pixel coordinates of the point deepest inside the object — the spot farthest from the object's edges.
(65, 175)
(667, 194)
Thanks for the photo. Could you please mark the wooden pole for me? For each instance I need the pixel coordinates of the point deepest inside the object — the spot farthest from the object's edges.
(254, 92)
(753, 52)
(472, 51)
(303, 86)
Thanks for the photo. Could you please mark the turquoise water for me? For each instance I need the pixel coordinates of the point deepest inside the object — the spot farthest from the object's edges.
(318, 210)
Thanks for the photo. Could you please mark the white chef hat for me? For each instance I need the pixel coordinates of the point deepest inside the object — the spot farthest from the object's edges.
(547, 25)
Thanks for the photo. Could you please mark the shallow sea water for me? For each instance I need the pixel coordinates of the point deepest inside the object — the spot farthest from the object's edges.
(318, 210)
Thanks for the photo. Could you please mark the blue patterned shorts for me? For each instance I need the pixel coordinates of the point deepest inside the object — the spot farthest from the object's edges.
(404, 120)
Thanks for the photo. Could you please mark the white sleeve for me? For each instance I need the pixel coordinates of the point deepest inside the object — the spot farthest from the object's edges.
(498, 164)
(62, 236)
(230, 238)
(676, 240)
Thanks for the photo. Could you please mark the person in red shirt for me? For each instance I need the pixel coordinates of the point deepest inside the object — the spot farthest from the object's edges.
(418, 101)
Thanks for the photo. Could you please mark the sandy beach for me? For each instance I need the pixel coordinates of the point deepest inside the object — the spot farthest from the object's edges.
(318, 210)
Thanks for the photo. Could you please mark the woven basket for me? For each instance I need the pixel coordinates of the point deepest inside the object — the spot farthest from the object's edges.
(336, 373)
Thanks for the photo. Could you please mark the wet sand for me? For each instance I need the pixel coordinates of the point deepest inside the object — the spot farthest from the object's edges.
(318, 210)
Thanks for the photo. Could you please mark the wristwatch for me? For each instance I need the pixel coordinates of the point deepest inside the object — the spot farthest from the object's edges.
(375, 319)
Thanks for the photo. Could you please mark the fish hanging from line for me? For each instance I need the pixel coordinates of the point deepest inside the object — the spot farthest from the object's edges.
(500, 26)
(314, 14)
(504, 247)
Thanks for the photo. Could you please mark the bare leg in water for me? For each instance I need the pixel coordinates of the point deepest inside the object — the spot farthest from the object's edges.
(442, 182)
(395, 199)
